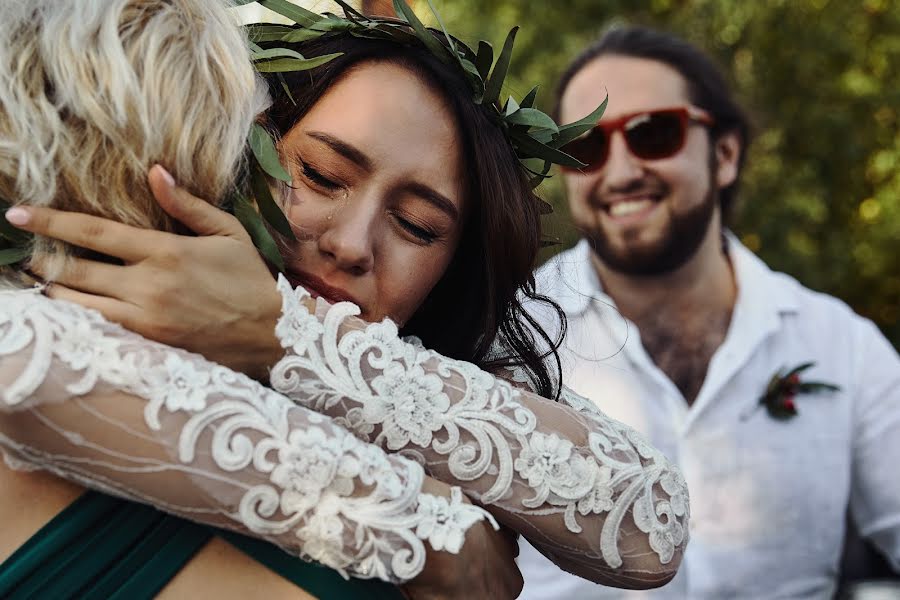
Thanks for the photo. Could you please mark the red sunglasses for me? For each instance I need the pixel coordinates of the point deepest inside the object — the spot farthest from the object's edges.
(649, 135)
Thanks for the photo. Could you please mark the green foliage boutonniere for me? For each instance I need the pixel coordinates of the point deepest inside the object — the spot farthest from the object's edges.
(785, 385)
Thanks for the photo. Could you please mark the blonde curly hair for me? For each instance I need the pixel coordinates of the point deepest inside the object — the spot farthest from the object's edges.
(94, 92)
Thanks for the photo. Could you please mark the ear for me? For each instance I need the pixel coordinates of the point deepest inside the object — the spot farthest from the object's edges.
(728, 154)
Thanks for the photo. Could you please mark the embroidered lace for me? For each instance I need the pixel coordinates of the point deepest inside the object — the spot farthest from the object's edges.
(92, 402)
(587, 491)
(87, 400)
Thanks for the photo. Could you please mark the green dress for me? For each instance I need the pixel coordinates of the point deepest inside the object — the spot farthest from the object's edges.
(101, 547)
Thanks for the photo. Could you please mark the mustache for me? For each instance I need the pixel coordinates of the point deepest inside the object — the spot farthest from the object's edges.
(646, 186)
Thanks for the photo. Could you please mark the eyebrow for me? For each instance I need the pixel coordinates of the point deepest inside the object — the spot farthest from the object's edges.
(434, 198)
(349, 152)
(359, 158)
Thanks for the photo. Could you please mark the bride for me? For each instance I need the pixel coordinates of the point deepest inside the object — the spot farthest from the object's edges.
(89, 401)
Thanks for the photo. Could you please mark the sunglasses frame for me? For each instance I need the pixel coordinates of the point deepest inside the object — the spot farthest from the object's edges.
(685, 114)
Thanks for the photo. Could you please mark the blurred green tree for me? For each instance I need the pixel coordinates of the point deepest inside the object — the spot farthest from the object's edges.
(820, 196)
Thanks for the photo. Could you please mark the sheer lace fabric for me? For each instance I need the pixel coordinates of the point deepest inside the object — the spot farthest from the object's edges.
(587, 491)
(92, 402)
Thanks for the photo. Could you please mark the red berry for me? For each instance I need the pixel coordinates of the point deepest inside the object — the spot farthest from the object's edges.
(788, 404)
(794, 379)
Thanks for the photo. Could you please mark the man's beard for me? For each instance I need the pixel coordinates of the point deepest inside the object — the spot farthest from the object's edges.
(676, 245)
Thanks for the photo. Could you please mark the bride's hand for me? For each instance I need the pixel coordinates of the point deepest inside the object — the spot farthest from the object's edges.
(485, 566)
(211, 294)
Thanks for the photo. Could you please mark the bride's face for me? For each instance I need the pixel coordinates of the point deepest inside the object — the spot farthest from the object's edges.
(377, 201)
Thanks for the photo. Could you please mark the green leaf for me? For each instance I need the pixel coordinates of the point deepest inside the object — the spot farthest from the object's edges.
(430, 42)
(349, 10)
(266, 154)
(529, 99)
(301, 35)
(498, 74)
(275, 53)
(262, 239)
(450, 43)
(484, 59)
(286, 88)
(510, 107)
(798, 369)
(11, 256)
(284, 65)
(538, 179)
(569, 132)
(268, 208)
(533, 118)
(528, 147)
(266, 32)
(295, 13)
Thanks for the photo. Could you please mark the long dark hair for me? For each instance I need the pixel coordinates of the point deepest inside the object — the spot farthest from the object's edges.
(475, 311)
(707, 86)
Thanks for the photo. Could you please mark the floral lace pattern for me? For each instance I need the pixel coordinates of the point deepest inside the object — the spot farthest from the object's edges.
(524, 457)
(217, 446)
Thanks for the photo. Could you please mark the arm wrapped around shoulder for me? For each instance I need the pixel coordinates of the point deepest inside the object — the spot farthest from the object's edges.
(586, 490)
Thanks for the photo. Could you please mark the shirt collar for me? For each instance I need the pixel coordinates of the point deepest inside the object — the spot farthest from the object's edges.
(758, 286)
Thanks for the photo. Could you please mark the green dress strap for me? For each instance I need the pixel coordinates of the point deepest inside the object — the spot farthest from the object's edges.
(101, 547)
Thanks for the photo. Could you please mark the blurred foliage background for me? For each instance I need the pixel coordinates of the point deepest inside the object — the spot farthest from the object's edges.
(820, 196)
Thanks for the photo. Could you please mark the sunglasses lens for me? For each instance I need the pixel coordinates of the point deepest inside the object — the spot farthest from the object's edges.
(656, 135)
(591, 149)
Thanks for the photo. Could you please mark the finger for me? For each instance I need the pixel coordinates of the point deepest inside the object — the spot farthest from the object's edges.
(196, 214)
(86, 231)
(90, 276)
(114, 310)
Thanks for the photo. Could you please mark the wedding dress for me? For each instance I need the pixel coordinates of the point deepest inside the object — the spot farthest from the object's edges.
(87, 400)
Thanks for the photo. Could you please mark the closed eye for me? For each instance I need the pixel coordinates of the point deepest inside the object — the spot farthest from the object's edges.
(317, 178)
(425, 235)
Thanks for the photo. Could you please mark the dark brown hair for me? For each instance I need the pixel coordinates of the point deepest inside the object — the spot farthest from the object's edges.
(707, 86)
(475, 311)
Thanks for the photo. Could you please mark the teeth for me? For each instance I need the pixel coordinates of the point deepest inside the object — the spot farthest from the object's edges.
(628, 207)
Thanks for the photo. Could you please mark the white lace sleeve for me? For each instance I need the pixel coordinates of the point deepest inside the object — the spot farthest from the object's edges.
(587, 491)
(89, 401)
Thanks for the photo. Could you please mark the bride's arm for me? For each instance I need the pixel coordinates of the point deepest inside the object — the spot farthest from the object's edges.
(94, 403)
(585, 489)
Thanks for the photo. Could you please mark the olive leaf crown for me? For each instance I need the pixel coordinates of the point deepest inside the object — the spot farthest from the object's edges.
(534, 136)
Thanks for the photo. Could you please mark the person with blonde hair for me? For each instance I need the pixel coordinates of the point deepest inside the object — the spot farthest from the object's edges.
(421, 172)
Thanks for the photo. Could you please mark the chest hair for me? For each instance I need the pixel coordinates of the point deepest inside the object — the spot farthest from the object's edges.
(682, 345)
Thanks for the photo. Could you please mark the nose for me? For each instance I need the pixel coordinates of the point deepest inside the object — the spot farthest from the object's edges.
(622, 168)
(348, 238)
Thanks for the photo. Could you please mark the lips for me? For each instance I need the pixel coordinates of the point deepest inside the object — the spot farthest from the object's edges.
(319, 289)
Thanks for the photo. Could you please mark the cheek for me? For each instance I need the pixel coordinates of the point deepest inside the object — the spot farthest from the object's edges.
(578, 193)
(308, 219)
(405, 279)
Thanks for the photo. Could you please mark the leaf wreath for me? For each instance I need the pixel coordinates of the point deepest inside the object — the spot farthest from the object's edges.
(532, 134)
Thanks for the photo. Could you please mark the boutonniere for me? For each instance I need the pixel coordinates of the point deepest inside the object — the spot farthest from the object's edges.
(784, 387)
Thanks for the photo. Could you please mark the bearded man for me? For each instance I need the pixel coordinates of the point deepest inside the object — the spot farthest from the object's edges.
(780, 404)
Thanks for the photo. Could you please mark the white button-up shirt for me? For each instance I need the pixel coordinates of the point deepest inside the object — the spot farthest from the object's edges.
(768, 497)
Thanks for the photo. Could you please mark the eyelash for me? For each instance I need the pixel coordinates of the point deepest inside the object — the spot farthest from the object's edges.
(425, 235)
(317, 178)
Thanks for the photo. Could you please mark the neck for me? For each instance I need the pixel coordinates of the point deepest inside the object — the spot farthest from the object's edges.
(702, 285)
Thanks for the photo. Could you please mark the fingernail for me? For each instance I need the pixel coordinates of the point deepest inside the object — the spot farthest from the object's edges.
(18, 215)
(166, 175)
